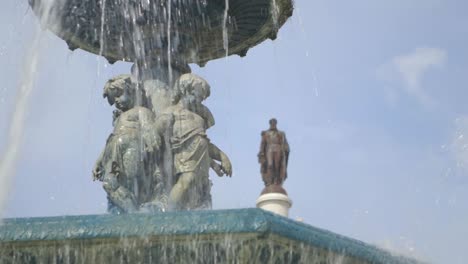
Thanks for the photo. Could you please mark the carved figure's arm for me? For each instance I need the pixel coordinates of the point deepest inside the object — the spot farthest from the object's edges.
(286, 148)
(217, 168)
(115, 115)
(261, 153)
(97, 169)
(217, 154)
(206, 114)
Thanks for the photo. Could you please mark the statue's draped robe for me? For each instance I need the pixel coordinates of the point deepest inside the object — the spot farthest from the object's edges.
(188, 145)
(128, 157)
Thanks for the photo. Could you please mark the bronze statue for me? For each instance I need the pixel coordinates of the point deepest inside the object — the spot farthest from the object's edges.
(159, 160)
(273, 157)
(183, 127)
(127, 165)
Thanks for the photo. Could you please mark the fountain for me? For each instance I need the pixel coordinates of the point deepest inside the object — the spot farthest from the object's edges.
(161, 38)
(155, 163)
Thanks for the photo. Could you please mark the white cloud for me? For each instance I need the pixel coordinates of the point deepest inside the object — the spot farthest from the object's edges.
(411, 69)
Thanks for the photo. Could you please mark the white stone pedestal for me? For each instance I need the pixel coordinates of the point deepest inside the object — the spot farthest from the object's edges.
(277, 203)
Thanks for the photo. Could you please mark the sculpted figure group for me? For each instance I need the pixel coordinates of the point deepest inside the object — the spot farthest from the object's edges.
(158, 162)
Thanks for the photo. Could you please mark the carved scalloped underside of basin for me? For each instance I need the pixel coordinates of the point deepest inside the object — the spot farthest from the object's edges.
(134, 30)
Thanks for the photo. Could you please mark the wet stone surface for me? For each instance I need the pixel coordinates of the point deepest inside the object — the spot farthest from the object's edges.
(226, 236)
(131, 30)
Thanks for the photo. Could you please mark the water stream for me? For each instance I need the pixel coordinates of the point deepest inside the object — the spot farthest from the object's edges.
(275, 14)
(169, 43)
(225, 29)
(11, 153)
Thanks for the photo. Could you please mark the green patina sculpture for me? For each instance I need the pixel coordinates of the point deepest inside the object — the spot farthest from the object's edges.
(158, 163)
(127, 166)
(185, 123)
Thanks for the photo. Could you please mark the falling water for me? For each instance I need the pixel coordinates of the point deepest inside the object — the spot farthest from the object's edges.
(225, 30)
(169, 47)
(275, 14)
(103, 21)
(10, 154)
(101, 40)
(459, 145)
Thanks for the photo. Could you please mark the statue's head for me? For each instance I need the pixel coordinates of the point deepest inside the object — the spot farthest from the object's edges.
(273, 123)
(192, 88)
(120, 91)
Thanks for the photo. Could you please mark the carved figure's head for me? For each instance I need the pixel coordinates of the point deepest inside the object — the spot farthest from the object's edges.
(120, 91)
(192, 88)
(273, 123)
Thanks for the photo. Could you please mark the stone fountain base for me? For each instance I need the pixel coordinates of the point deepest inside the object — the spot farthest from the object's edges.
(226, 236)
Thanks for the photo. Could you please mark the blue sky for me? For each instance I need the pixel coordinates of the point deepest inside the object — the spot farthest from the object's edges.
(371, 95)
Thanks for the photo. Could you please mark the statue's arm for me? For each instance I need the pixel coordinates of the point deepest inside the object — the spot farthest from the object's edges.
(115, 115)
(217, 154)
(286, 145)
(261, 153)
(98, 167)
(217, 168)
(286, 148)
(206, 114)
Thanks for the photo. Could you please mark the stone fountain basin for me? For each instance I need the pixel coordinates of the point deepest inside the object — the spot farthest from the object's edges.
(128, 30)
(224, 236)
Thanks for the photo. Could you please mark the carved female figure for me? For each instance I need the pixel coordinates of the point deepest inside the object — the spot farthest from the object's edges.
(126, 165)
(185, 123)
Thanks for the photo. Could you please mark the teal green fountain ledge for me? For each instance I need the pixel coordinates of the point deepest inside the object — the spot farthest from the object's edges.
(222, 236)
